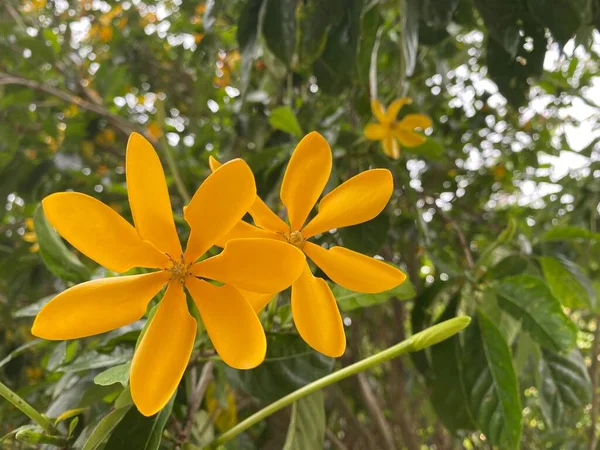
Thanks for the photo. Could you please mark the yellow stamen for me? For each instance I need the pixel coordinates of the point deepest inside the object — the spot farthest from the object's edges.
(179, 270)
(295, 238)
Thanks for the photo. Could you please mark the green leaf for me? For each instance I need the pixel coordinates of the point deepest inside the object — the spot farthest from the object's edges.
(210, 15)
(138, 432)
(564, 387)
(105, 428)
(314, 20)
(247, 37)
(501, 19)
(509, 266)
(568, 232)
(279, 28)
(367, 237)
(529, 299)
(289, 365)
(430, 149)
(568, 283)
(410, 36)
(350, 300)
(563, 17)
(489, 381)
(95, 360)
(21, 349)
(55, 254)
(284, 119)
(116, 374)
(307, 424)
(33, 309)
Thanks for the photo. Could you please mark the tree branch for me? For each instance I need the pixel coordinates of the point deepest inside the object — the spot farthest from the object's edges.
(195, 401)
(376, 411)
(593, 436)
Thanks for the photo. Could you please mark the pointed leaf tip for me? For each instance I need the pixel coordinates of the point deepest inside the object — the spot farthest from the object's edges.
(438, 333)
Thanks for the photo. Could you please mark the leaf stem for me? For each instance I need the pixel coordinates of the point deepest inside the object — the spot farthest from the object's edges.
(419, 341)
(26, 408)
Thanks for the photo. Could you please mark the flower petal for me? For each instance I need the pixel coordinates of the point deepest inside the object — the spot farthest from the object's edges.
(257, 265)
(305, 177)
(409, 138)
(260, 212)
(317, 316)
(355, 201)
(412, 121)
(100, 232)
(391, 148)
(378, 111)
(376, 132)
(149, 196)
(353, 270)
(394, 108)
(218, 204)
(244, 230)
(256, 300)
(97, 306)
(164, 352)
(231, 323)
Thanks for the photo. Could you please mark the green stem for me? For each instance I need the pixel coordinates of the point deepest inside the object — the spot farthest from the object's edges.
(26, 408)
(419, 341)
(160, 113)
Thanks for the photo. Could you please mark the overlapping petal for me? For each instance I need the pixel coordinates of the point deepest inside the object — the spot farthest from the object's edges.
(230, 322)
(149, 196)
(256, 300)
(409, 138)
(376, 132)
(353, 270)
(390, 147)
(316, 315)
(394, 108)
(243, 230)
(260, 212)
(218, 204)
(97, 306)
(100, 232)
(412, 121)
(357, 200)
(305, 177)
(257, 265)
(164, 352)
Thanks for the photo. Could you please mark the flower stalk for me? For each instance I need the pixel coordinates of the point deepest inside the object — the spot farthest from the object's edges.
(26, 408)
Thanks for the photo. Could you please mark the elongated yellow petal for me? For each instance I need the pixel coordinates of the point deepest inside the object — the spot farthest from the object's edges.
(412, 121)
(257, 265)
(231, 323)
(409, 138)
(164, 352)
(243, 230)
(260, 212)
(97, 306)
(355, 201)
(256, 300)
(353, 270)
(394, 108)
(305, 177)
(378, 111)
(149, 196)
(317, 316)
(100, 233)
(218, 204)
(390, 147)
(376, 132)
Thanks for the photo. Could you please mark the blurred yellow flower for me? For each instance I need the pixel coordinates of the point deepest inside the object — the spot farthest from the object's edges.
(359, 199)
(393, 133)
(154, 131)
(30, 236)
(225, 416)
(225, 66)
(101, 305)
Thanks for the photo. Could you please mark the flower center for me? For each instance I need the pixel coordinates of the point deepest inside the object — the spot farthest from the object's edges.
(179, 270)
(296, 239)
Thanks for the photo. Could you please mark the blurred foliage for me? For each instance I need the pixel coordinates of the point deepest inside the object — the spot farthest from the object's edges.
(495, 216)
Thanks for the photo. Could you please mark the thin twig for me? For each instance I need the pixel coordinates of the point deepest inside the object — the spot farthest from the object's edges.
(593, 436)
(198, 390)
(375, 409)
(335, 440)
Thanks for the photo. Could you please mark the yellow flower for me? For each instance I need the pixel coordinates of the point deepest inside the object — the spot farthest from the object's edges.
(393, 133)
(358, 200)
(30, 236)
(101, 305)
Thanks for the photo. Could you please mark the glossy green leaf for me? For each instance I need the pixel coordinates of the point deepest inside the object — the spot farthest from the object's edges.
(314, 20)
(490, 384)
(307, 423)
(95, 360)
(350, 300)
(279, 28)
(568, 283)
(116, 374)
(564, 387)
(105, 428)
(529, 299)
(284, 119)
(289, 365)
(509, 266)
(57, 257)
